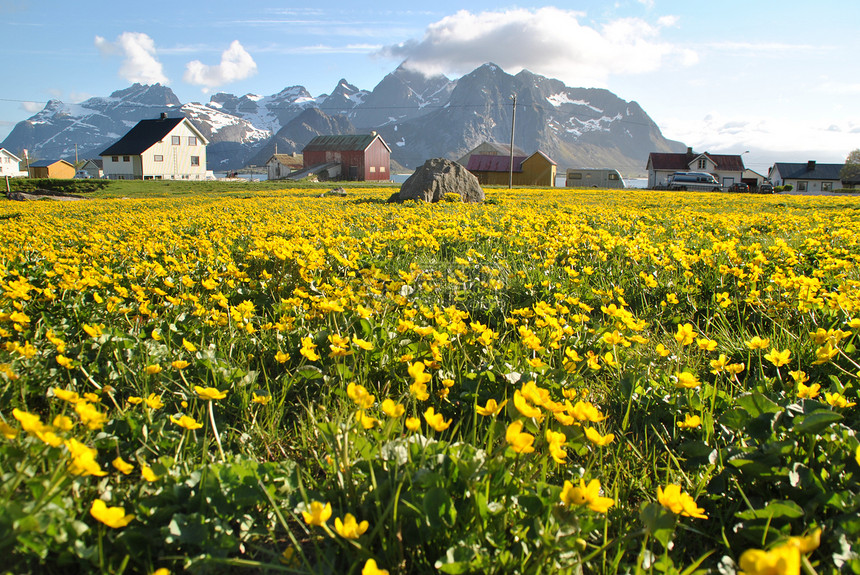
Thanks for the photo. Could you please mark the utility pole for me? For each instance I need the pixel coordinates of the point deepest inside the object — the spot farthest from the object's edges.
(513, 125)
(76, 155)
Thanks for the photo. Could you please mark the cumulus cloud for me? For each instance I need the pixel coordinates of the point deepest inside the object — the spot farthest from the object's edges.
(32, 107)
(236, 64)
(140, 63)
(548, 41)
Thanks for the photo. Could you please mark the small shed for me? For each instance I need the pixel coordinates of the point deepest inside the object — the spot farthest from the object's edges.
(282, 165)
(93, 168)
(58, 169)
(535, 170)
(362, 157)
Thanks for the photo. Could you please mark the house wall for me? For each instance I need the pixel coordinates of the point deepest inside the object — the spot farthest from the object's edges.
(58, 170)
(118, 168)
(537, 171)
(377, 162)
(356, 164)
(10, 166)
(811, 185)
(176, 163)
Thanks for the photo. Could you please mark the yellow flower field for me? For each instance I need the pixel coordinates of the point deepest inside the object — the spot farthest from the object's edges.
(553, 382)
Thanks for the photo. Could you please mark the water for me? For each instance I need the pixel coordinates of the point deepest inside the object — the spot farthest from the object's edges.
(249, 177)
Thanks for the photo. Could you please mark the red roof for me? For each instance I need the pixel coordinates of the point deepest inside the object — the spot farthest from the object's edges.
(482, 163)
(681, 162)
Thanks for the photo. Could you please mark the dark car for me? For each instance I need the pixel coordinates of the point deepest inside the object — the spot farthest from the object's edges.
(739, 187)
(765, 188)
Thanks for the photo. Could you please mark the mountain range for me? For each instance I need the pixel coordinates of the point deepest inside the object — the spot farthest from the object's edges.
(420, 117)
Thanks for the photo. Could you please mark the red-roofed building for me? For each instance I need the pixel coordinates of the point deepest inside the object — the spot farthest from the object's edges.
(535, 170)
(727, 169)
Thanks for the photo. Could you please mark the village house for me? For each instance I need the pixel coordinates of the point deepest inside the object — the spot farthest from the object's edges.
(727, 169)
(282, 165)
(359, 157)
(91, 169)
(10, 165)
(57, 169)
(535, 170)
(490, 149)
(808, 177)
(162, 149)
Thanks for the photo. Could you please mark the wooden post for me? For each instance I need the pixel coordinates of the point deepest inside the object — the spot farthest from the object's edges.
(513, 124)
(8, 187)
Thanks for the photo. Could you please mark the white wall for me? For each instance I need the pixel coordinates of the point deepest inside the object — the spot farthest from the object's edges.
(9, 166)
(176, 158)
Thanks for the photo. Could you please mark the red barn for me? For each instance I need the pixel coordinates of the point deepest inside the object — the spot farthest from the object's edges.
(362, 157)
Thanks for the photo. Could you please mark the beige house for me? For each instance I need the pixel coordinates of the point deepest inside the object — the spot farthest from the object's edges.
(162, 149)
(56, 169)
(282, 165)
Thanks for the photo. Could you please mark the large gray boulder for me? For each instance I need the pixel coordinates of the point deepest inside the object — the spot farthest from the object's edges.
(438, 177)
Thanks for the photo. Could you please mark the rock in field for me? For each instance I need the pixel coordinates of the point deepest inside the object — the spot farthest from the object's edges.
(438, 177)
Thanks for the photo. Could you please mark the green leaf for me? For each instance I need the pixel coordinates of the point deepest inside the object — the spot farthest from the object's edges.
(658, 521)
(816, 421)
(756, 404)
(439, 508)
(773, 510)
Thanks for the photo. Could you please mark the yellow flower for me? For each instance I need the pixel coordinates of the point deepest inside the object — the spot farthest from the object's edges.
(799, 376)
(685, 334)
(154, 401)
(491, 409)
(134, 400)
(778, 358)
(148, 474)
(365, 345)
(366, 421)
(161, 571)
(93, 330)
(209, 393)
(64, 361)
(307, 349)
(687, 380)
(758, 343)
(838, 400)
(370, 568)
(599, 440)
(419, 390)
(318, 514)
(186, 422)
(413, 423)
(281, 357)
(392, 409)
(65, 395)
(808, 391)
(706, 344)
(359, 394)
(114, 517)
(83, 459)
(7, 430)
(679, 502)
(661, 350)
(781, 560)
(519, 441)
(435, 420)
(690, 422)
(156, 335)
(190, 347)
(586, 495)
(349, 528)
(585, 411)
(122, 466)
(735, 368)
(260, 399)
(179, 364)
(152, 369)
(555, 443)
(90, 416)
(62, 422)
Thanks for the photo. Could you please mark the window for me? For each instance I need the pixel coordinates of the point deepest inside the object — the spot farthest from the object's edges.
(613, 176)
(382, 169)
(158, 158)
(574, 176)
(703, 164)
(195, 160)
(372, 169)
(126, 159)
(114, 158)
(192, 141)
(801, 186)
(175, 140)
(826, 186)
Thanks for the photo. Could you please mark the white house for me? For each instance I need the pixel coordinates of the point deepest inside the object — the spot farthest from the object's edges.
(811, 176)
(162, 149)
(10, 165)
(727, 169)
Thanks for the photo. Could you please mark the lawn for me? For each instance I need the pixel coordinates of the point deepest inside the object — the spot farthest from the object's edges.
(556, 381)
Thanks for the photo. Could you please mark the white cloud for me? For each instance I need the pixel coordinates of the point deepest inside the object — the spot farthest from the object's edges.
(548, 41)
(236, 64)
(32, 107)
(773, 139)
(140, 63)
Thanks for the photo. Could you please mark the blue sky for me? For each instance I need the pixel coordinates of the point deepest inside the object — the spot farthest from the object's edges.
(779, 79)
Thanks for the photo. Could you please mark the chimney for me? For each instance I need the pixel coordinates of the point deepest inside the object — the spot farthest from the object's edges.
(810, 166)
(164, 115)
(373, 133)
(689, 151)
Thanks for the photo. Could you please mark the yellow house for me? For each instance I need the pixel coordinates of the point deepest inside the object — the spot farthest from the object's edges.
(58, 169)
(535, 170)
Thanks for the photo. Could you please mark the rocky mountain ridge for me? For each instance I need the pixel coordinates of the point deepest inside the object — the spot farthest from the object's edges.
(419, 117)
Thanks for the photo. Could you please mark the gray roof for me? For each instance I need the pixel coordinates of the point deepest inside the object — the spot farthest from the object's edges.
(791, 171)
(45, 163)
(351, 142)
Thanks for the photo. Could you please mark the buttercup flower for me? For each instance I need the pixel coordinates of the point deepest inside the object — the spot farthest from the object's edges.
(679, 502)
(690, 422)
(687, 380)
(491, 408)
(370, 568)
(349, 528)
(586, 495)
(114, 517)
(778, 358)
(122, 466)
(186, 422)
(519, 441)
(435, 420)
(599, 440)
(392, 409)
(317, 514)
(758, 343)
(209, 393)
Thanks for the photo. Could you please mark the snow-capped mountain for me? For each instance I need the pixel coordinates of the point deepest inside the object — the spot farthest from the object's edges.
(419, 117)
